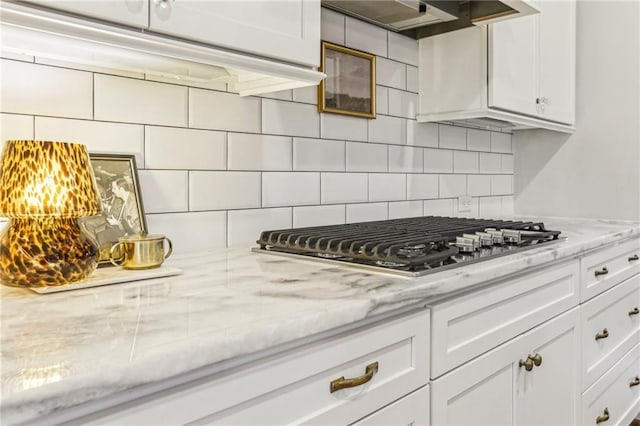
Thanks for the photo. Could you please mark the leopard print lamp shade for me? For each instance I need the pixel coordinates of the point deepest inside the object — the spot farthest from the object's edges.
(44, 188)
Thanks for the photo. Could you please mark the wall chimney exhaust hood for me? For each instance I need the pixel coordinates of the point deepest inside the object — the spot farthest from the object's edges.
(425, 18)
(27, 31)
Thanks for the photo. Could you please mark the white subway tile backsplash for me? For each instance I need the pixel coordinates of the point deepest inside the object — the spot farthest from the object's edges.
(318, 215)
(507, 205)
(210, 190)
(382, 100)
(478, 185)
(412, 79)
(403, 49)
(44, 90)
(290, 189)
(400, 209)
(387, 187)
(490, 163)
(289, 118)
(422, 134)
(385, 129)
(164, 191)
(283, 95)
(332, 26)
(343, 127)
(224, 111)
(244, 226)
(191, 232)
(452, 137)
(367, 212)
(403, 104)
(490, 207)
(343, 188)
(420, 187)
(391, 73)
(501, 142)
(172, 148)
(366, 157)
(406, 159)
(465, 162)
(98, 136)
(438, 161)
(366, 37)
(452, 185)
(258, 152)
(138, 101)
(507, 163)
(443, 207)
(478, 140)
(501, 184)
(306, 95)
(13, 126)
(318, 155)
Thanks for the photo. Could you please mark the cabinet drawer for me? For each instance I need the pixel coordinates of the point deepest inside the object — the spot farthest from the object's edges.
(294, 388)
(470, 325)
(614, 392)
(605, 268)
(411, 410)
(611, 328)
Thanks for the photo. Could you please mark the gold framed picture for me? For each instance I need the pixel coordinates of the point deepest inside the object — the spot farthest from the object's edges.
(350, 85)
(122, 210)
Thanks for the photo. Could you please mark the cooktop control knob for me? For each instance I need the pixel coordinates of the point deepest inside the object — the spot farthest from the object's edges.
(465, 245)
(511, 236)
(496, 235)
(486, 239)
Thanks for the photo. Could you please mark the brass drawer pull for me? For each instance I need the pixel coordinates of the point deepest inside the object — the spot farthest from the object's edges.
(634, 257)
(634, 311)
(537, 359)
(342, 383)
(635, 382)
(603, 271)
(604, 417)
(603, 335)
(527, 364)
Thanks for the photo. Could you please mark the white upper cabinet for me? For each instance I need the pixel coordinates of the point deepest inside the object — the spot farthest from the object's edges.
(128, 12)
(514, 74)
(288, 30)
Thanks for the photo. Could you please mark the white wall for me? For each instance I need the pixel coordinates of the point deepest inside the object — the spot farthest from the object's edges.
(596, 171)
(216, 169)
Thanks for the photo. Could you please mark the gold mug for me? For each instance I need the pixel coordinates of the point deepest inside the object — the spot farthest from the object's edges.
(140, 251)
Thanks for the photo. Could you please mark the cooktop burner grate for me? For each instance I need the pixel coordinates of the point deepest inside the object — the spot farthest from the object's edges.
(411, 243)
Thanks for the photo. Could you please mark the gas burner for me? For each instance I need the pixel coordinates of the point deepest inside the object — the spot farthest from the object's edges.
(412, 246)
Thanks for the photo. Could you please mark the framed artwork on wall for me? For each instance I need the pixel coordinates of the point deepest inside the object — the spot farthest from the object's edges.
(350, 85)
(122, 210)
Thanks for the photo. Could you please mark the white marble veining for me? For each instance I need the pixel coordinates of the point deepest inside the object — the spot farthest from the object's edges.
(64, 349)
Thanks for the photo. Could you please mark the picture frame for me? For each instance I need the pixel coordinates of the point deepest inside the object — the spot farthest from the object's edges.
(350, 85)
(122, 210)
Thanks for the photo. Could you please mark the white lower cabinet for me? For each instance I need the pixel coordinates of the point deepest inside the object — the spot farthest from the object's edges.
(530, 380)
(412, 410)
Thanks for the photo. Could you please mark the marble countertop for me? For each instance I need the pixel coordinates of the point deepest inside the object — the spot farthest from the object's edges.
(63, 349)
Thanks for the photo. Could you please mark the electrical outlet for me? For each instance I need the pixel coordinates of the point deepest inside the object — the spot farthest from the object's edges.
(464, 204)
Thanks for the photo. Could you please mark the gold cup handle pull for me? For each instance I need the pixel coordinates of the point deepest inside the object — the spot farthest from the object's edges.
(166, 256)
(537, 359)
(603, 271)
(527, 364)
(604, 417)
(634, 311)
(342, 383)
(602, 335)
(633, 258)
(634, 382)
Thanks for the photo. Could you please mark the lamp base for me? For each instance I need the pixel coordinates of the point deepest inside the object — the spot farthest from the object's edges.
(42, 252)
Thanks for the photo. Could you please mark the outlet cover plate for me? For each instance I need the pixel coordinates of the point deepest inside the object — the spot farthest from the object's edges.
(464, 204)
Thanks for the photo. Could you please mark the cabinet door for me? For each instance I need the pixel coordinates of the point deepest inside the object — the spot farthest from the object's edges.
(495, 389)
(288, 30)
(128, 12)
(411, 410)
(557, 60)
(513, 65)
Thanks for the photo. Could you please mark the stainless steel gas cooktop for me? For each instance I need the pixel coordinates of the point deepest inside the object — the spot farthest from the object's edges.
(409, 247)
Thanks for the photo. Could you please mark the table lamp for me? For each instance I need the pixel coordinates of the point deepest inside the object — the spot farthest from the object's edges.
(44, 188)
